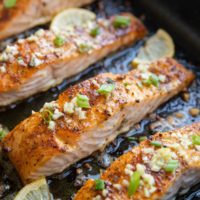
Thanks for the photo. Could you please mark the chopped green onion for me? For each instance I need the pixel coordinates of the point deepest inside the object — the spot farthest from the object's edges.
(105, 89)
(171, 166)
(95, 31)
(134, 183)
(47, 115)
(82, 101)
(99, 184)
(147, 81)
(3, 133)
(196, 140)
(9, 3)
(83, 48)
(155, 80)
(59, 41)
(152, 80)
(127, 84)
(132, 138)
(121, 22)
(156, 143)
(142, 138)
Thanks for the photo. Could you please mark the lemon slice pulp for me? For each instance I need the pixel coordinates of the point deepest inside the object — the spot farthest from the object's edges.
(37, 190)
(73, 17)
(157, 46)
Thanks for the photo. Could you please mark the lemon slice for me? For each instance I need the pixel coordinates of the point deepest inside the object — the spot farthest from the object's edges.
(70, 18)
(158, 46)
(37, 190)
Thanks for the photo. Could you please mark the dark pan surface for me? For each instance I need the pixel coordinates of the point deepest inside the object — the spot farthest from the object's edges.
(64, 185)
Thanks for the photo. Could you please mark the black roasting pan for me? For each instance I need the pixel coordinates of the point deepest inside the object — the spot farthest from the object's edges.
(181, 19)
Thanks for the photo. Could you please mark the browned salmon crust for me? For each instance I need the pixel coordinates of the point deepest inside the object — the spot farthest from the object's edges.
(35, 64)
(29, 13)
(165, 185)
(37, 148)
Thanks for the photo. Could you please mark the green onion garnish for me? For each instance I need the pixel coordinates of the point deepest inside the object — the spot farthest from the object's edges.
(147, 81)
(155, 80)
(196, 140)
(83, 48)
(47, 115)
(121, 22)
(142, 138)
(59, 41)
(82, 101)
(152, 80)
(156, 143)
(171, 166)
(3, 133)
(99, 184)
(132, 138)
(127, 84)
(9, 3)
(105, 89)
(134, 183)
(95, 31)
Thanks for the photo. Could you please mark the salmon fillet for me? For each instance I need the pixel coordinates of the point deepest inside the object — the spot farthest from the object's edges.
(44, 59)
(89, 115)
(29, 13)
(156, 182)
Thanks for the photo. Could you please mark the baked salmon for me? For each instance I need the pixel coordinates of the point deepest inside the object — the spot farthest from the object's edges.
(44, 59)
(88, 116)
(25, 14)
(157, 169)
